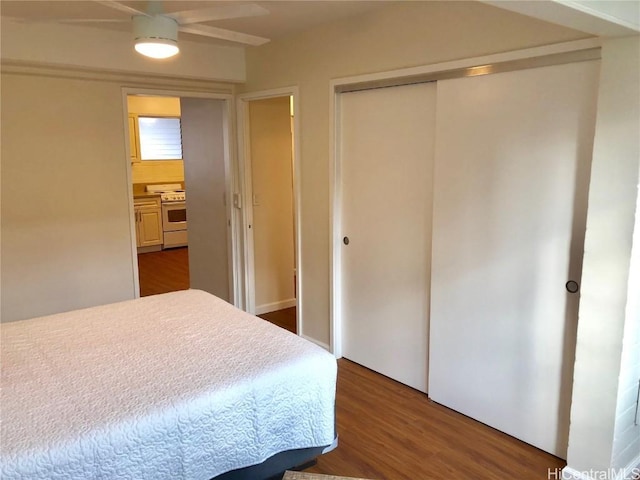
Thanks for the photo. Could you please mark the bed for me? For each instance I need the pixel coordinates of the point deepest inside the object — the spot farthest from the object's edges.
(174, 386)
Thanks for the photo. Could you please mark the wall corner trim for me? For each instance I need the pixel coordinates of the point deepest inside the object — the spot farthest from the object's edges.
(317, 342)
(273, 306)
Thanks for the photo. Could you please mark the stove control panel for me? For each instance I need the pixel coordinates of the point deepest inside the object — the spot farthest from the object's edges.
(173, 196)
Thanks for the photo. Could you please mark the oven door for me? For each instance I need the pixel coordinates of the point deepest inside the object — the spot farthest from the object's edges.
(174, 216)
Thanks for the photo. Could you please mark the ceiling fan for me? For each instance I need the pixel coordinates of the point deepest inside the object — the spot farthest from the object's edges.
(156, 32)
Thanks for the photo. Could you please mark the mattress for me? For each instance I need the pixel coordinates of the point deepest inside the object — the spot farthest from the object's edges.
(174, 386)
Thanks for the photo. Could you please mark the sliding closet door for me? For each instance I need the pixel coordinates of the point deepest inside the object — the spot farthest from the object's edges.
(386, 160)
(511, 176)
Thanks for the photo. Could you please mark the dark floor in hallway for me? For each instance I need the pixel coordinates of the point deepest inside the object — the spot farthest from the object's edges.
(285, 318)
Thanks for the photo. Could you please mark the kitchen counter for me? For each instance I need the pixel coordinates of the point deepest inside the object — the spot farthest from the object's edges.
(140, 192)
(140, 189)
(145, 195)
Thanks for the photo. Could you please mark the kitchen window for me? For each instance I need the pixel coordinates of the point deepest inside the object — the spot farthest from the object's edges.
(160, 138)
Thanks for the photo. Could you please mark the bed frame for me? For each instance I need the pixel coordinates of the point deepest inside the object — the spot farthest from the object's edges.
(274, 467)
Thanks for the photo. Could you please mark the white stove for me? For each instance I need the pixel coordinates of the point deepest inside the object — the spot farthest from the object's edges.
(174, 213)
(176, 196)
(169, 192)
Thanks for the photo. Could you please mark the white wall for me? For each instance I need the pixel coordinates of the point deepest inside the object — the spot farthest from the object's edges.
(596, 408)
(605, 18)
(75, 46)
(272, 184)
(397, 36)
(65, 219)
(66, 222)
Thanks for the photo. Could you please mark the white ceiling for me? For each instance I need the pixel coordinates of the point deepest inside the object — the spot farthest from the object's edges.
(598, 17)
(284, 18)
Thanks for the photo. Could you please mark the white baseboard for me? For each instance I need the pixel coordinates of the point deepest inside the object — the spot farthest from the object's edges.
(625, 473)
(272, 307)
(317, 342)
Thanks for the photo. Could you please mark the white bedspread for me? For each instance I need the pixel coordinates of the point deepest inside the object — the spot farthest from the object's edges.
(174, 386)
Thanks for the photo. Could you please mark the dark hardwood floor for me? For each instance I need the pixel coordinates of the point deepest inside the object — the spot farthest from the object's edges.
(392, 432)
(285, 318)
(164, 271)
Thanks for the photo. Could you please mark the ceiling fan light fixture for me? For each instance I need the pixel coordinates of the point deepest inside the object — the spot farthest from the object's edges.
(156, 48)
(155, 36)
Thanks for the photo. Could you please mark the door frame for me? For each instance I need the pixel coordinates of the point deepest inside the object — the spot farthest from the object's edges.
(232, 181)
(244, 165)
(587, 49)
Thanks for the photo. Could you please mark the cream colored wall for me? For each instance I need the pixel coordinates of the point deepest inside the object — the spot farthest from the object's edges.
(401, 35)
(150, 105)
(65, 219)
(272, 182)
(155, 171)
(613, 191)
(95, 48)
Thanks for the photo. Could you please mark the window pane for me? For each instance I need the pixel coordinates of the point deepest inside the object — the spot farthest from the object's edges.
(160, 138)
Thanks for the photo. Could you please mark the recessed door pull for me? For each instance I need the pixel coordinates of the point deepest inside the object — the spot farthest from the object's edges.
(572, 286)
(345, 240)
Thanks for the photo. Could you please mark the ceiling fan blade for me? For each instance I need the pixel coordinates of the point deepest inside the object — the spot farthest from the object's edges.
(66, 20)
(218, 13)
(223, 34)
(121, 7)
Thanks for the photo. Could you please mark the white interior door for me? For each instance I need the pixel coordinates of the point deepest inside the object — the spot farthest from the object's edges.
(511, 176)
(208, 212)
(387, 144)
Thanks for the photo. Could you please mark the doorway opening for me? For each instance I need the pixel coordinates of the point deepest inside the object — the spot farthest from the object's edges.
(178, 142)
(158, 186)
(268, 156)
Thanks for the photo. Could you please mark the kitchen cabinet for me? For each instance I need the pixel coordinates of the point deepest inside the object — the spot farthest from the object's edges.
(134, 142)
(148, 215)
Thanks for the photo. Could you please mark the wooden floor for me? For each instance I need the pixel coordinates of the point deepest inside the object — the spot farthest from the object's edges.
(392, 432)
(164, 271)
(283, 318)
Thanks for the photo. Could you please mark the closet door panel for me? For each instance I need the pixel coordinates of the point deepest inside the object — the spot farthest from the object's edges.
(387, 144)
(512, 166)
